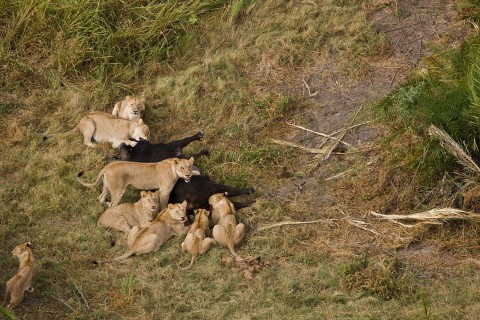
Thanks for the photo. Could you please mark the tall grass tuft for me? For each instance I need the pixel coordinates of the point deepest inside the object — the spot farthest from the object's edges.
(56, 42)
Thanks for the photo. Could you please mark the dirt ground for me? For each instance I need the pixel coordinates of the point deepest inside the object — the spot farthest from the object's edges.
(354, 180)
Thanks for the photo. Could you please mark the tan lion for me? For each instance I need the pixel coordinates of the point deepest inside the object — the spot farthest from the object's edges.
(101, 126)
(145, 176)
(131, 108)
(226, 231)
(196, 242)
(124, 216)
(169, 223)
(22, 281)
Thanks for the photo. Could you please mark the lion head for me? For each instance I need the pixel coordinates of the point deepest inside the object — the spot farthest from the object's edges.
(184, 168)
(150, 200)
(178, 211)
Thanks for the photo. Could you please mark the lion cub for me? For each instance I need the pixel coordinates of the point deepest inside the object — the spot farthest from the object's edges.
(226, 231)
(22, 281)
(169, 223)
(195, 242)
(124, 216)
(130, 108)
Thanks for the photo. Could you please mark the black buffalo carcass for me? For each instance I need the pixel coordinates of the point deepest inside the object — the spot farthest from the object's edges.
(144, 151)
(200, 188)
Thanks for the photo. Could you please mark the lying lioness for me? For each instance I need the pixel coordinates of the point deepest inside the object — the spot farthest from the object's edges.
(195, 242)
(226, 232)
(124, 216)
(22, 281)
(146, 176)
(131, 108)
(169, 223)
(101, 126)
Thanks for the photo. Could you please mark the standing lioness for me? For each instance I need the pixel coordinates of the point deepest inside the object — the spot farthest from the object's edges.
(145, 176)
(22, 281)
(101, 126)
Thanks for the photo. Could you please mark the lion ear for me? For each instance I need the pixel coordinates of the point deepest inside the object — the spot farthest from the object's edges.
(143, 194)
(175, 160)
(184, 203)
(29, 244)
(128, 98)
(140, 121)
(142, 100)
(191, 160)
(170, 206)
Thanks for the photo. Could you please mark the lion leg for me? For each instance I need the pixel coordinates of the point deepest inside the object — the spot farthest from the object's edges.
(114, 221)
(116, 196)
(220, 235)
(206, 243)
(15, 298)
(103, 196)
(164, 199)
(239, 233)
(131, 236)
(148, 244)
(187, 244)
(87, 128)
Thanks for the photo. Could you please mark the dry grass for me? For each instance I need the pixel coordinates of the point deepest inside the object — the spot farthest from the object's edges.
(232, 82)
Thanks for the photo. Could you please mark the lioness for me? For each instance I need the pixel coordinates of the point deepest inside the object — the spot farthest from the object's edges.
(124, 216)
(195, 242)
(226, 232)
(169, 223)
(22, 281)
(104, 127)
(131, 108)
(147, 176)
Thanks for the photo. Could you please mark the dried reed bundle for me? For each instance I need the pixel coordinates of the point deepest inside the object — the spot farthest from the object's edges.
(431, 216)
(454, 148)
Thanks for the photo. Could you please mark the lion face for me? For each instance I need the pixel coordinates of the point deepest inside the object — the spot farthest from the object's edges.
(134, 107)
(184, 168)
(21, 248)
(150, 200)
(141, 131)
(178, 211)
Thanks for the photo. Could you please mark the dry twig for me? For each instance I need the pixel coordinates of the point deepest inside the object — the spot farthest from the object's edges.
(285, 223)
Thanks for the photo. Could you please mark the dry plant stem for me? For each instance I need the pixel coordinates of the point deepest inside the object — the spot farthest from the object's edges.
(434, 216)
(286, 223)
(328, 136)
(81, 294)
(290, 144)
(454, 148)
(66, 304)
(360, 224)
(339, 175)
(334, 145)
(310, 94)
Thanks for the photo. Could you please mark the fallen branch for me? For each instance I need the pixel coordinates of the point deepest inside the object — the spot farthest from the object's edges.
(334, 145)
(290, 144)
(434, 216)
(286, 223)
(310, 94)
(328, 136)
(361, 225)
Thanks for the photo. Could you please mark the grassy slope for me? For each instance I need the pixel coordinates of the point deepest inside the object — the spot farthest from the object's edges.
(229, 83)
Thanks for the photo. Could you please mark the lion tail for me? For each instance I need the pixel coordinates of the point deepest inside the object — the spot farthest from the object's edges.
(94, 183)
(60, 134)
(127, 254)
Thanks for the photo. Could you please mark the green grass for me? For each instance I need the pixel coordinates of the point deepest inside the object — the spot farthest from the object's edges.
(215, 65)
